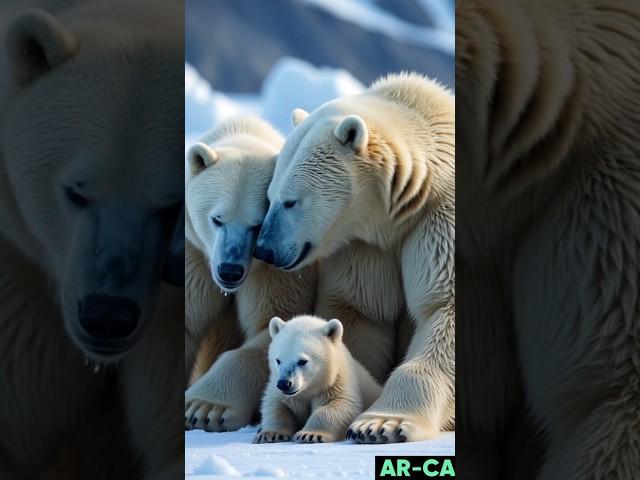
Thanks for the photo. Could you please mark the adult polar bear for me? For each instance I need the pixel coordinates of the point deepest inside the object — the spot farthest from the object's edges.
(367, 183)
(548, 235)
(226, 201)
(90, 143)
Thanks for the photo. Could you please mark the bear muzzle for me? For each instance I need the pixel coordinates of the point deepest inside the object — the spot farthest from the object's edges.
(230, 273)
(107, 322)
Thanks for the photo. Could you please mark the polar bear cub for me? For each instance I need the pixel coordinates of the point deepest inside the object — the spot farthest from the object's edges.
(316, 388)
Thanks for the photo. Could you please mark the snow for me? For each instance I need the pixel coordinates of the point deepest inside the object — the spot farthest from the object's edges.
(231, 454)
(214, 465)
(291, 83)
(369, 16)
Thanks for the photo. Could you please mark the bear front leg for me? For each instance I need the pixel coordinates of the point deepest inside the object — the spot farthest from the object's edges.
(227, 397)
(417, 402)
(278, 422)
(329, 422)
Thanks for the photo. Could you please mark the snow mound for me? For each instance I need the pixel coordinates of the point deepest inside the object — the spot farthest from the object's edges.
(214, 465)
(203, 106)
(291, 83)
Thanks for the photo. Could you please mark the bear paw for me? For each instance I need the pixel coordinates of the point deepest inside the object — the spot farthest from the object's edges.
(307, 436)
(211, 417)
(270, 436)
(380, 428)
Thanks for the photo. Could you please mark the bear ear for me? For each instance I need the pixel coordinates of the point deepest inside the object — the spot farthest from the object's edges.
(275, 325)
(334, 329)
(36, 43)
(353, 132)
(200, 156)
(297, 116)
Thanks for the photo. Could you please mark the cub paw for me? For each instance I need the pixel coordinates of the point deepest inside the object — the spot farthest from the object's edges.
(306, 436)
(270, 436)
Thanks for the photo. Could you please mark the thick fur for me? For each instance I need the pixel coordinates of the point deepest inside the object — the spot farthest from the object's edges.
(241, 157)
(331, 387)
(52, 405)
(548, 182)
(367, 184)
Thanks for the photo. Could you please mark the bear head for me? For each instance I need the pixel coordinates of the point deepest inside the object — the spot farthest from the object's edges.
(92, 146)
(226, 201)
(302, 355)
(322, 190)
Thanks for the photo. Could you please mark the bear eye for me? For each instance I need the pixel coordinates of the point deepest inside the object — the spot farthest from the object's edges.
(302, 363)
(278, 361)
(216, 221)
(289, 204)
(75, 198)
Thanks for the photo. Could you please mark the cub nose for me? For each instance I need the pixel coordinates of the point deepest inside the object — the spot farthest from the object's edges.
(105, 317)
(230, 272)
(264, 254)
(284, 385)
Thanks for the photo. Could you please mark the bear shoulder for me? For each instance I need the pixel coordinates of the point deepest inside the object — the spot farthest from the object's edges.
(415, 91)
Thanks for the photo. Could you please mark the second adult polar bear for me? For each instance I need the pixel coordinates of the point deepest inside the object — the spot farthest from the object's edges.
(316, 387)
(367, 183)
(226, 201)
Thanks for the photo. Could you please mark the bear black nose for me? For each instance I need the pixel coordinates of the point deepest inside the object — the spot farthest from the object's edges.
(264, 254)
(230, 272)
(284, 385)
(106, 317)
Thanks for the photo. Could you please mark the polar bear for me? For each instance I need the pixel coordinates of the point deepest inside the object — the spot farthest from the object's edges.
(367, 184)
(548, 208)
(226, 201)
(90, 193)
(316, 388)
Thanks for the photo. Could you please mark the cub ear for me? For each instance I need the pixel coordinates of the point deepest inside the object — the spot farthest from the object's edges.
(275, 325)
(36, 43)
(297, 116)
(353, 132)
(334, 329)
(201, 156)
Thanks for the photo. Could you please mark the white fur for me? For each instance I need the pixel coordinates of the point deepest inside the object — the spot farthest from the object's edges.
(230, 170)
(366, 183)
(328, 391)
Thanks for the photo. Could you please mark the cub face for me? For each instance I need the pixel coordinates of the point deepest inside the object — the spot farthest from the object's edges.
(227, 201)
(316, 181)
(97, 189)
(301, 355)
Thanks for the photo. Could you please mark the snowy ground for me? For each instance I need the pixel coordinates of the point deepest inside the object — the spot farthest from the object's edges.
(232, 455)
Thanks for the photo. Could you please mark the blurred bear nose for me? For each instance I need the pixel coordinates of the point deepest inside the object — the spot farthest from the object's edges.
(284, 385)
(264, 254)
(106, 317)
(230, 272)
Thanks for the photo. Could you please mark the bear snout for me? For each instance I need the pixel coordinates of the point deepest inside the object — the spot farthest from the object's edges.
(230, 273)
(106, 319)
(284, 385)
